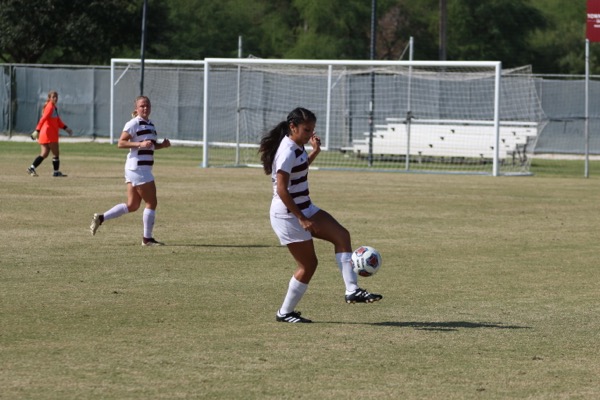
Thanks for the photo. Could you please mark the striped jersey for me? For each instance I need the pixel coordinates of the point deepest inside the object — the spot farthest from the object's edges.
(140, 130)
(292, 159)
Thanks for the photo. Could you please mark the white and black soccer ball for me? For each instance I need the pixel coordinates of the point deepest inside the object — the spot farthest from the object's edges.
(366, 261)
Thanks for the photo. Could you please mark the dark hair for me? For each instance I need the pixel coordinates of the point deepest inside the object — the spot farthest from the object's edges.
(271, 140)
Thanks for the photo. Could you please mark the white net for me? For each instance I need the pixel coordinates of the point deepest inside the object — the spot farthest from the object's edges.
(432, 117)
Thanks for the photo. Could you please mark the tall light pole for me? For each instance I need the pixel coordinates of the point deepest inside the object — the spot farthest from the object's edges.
(143, 47)
(372, 56)
(443, 29)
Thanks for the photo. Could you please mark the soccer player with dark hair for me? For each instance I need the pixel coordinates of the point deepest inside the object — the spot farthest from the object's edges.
(295, 219)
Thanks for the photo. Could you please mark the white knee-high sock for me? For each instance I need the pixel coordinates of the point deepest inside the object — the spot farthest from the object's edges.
(116, 211)
(350, 277)
(296, 290)
(148, 218)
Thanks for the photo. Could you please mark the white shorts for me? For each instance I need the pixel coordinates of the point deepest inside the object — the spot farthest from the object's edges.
(138, 177)
(288, 228)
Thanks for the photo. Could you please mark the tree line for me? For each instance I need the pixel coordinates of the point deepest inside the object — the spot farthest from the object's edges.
(548, 34)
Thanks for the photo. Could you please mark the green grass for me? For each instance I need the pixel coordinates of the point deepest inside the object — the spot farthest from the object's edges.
(490, 285)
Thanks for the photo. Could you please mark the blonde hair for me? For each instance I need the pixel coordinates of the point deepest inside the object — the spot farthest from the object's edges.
(134, 113)
(51, 94)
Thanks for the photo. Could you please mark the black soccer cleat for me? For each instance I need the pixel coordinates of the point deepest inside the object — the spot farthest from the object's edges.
(293, 317)
(362, 296)
(151, 242)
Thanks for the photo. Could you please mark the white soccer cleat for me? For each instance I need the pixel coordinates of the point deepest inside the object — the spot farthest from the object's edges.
(96, 222)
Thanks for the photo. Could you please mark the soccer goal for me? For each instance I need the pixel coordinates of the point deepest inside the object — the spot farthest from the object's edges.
(455, 117)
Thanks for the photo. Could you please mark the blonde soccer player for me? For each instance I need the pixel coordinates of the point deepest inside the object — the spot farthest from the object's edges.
(295, 219)
(140, 137)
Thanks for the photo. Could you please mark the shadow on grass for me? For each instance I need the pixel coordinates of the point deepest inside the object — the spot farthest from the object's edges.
(448, 326)
(242, 246)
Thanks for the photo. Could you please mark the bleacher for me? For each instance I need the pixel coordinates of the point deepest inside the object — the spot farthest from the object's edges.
(452, 140)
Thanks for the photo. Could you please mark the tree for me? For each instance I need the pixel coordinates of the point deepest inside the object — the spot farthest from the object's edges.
(331, 29)
(560, 48)
(210, 28)
(548, 34)
(401, 20)
(271, 28)
(56, 31)
(25, 32)
(492, 30)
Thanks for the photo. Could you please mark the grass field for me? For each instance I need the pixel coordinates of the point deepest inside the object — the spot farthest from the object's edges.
(490, 286)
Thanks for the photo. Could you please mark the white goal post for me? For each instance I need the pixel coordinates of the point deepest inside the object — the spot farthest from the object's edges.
(428, 115)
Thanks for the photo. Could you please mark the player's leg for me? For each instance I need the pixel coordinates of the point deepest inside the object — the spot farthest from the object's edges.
(133, 203)
(147, 192)
(329, 229)
(306, 261)
(44, 151)
(55, 159)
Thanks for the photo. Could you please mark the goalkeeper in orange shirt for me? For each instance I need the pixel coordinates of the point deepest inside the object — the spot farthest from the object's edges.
(46, 133)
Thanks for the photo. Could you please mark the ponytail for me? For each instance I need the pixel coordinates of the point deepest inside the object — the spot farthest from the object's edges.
(271, 140)
(270, 143)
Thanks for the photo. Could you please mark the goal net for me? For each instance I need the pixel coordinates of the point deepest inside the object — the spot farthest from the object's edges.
(459, 117)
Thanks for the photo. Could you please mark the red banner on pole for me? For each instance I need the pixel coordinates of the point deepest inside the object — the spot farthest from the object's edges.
(593, 21)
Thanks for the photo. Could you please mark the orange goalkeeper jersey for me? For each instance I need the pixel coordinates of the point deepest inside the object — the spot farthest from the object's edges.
(49, 124)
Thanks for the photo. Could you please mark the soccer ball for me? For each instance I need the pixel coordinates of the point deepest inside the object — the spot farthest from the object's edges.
(366, 261)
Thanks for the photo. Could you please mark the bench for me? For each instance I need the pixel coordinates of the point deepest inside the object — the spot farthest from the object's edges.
(449, 139)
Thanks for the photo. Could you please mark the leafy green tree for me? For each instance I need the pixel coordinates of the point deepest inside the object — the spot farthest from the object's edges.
(210, 28)
(271, 28)
(25, 32)
(548, 34)
(492, 30)
(63, 31)
(274, 29)
(331, 29)
(402, 19)
(561, 47)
